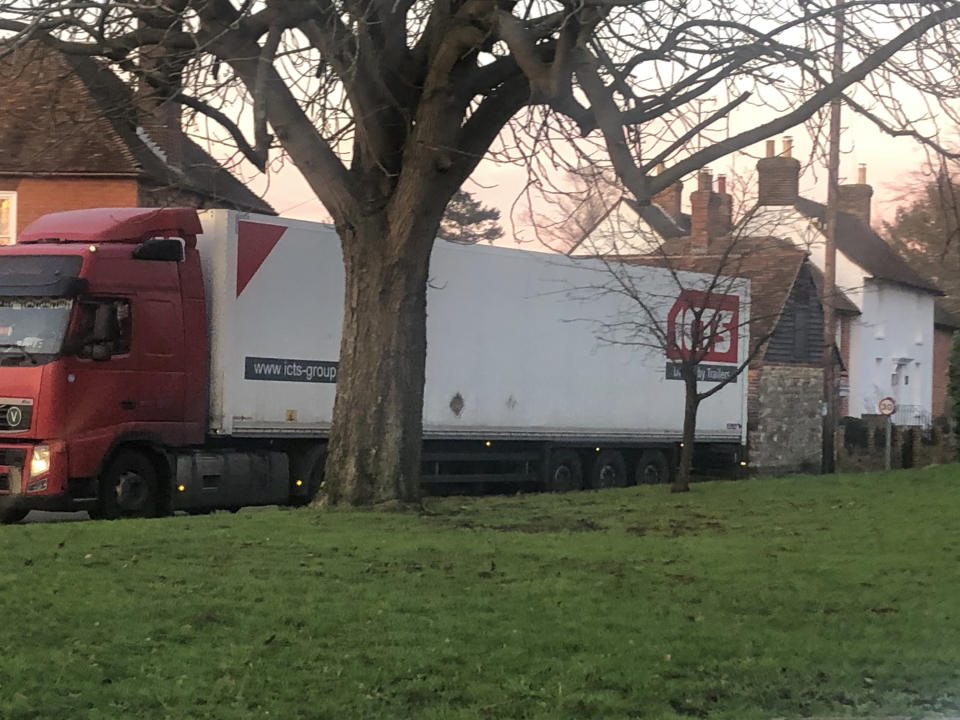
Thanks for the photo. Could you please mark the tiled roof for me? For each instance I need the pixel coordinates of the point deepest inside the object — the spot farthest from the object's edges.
(51, 124)
(771, 264)
(943, 318)
(73, 115)
(866, 248)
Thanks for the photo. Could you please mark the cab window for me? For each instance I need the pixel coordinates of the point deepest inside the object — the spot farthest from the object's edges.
(102, 328)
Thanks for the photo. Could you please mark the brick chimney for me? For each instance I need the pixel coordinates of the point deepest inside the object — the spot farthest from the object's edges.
(159, 116)
(670, 199)
(706, 214)
(725, 212)
(855, 199)
(779, 175)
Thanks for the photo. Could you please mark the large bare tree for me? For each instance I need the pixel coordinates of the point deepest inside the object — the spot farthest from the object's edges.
(387, 106)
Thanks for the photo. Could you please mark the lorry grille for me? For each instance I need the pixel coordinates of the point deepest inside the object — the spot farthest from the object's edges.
(11, 468)
(12, 457)
(14, 416)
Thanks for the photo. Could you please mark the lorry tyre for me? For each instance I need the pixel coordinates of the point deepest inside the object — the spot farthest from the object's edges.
(652, 468)
(609, 470)
(565, 472)
(128, 487)
(11, 515)
(308, 466)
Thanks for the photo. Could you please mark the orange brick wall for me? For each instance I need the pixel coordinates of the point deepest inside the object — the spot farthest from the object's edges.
(39, 196)
(942, 340)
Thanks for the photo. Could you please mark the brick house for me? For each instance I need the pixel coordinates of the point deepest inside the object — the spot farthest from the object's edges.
(74, 135)
(944, 326)
(785, 377)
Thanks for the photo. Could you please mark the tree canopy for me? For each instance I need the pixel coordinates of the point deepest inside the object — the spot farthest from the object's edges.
(387, 106)
(468, 221)
(926, 232)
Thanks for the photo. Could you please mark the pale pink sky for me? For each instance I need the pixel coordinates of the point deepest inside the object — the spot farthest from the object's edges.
(891, 167)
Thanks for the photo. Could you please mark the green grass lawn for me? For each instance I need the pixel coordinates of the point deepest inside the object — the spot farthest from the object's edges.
(755, 599)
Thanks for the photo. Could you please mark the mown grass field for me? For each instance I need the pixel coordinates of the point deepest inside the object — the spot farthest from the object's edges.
(752, 599)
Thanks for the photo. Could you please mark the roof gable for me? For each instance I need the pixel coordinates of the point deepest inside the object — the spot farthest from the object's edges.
(50, 122)
(859, 242)
(770, 264)
(627, 228)
(773, 266)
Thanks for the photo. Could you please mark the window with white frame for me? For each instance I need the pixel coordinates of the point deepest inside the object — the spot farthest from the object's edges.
(8, 218)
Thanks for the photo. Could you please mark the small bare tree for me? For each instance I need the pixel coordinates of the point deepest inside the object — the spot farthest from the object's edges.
(710, 327)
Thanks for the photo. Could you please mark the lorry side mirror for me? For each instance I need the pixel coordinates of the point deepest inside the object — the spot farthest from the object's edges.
(160, 248)
(100, 351)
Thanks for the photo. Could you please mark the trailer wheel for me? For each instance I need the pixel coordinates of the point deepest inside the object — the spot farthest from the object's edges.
(11, 515)
(128, 487)
(652, 468)
(565, 471)
(609, 470)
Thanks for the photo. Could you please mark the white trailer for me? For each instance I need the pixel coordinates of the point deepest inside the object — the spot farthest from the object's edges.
(518, 386)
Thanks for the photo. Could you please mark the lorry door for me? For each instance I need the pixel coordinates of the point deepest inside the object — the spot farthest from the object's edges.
(102, 381)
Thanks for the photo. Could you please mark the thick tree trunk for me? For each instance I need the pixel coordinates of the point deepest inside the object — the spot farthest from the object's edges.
(681, 482)
(374, 453)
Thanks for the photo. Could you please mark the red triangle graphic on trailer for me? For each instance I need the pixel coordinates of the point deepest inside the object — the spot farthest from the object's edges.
(254, 243)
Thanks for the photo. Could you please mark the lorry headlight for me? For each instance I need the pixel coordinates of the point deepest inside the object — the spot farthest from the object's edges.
(35, 486)
(40, 460)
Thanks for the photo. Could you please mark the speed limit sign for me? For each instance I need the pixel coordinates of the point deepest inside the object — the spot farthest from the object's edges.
(887, 406)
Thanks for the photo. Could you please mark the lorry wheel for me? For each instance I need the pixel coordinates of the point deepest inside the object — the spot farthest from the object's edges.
(652, 468)
(609, 470)
(308, 467)
(8, 516)
(565, 471)
(128, 487)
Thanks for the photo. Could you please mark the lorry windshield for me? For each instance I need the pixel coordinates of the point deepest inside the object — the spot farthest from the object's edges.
(32, 329)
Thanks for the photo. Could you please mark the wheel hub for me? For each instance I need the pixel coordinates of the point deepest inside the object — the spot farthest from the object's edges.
(131, 492)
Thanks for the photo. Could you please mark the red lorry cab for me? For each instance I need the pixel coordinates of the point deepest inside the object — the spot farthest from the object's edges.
(103, 342)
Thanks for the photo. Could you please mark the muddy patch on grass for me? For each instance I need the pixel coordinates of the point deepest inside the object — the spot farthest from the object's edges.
(544, 523)
(535, 524)
(695, 524)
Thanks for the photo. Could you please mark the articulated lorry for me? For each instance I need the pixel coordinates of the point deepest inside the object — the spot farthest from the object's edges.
(154, 360)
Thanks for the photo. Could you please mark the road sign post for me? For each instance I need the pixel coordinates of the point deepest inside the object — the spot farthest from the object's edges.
(887, 406)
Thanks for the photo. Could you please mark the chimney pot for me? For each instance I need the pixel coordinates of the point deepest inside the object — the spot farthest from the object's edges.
(787, 146)
(862, 174)
(722, 184)
(704, 181)
(771, 148)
